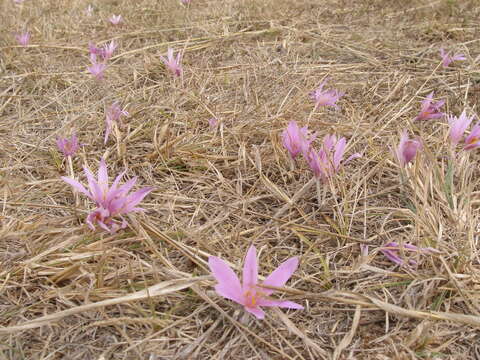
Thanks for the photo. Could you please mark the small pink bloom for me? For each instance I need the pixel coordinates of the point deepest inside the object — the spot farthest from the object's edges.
(407, 149)
(68, 146)
(213, 122)
(296, 140)
(109, 49)
(326, 97)
(430, 110)
(172, 63)
(473, 140)
(447, 59)
(115, 19)
(97, 69)
(111, 201)
(458, 126)
(112, 115)
(249, 294)
(23, 38)
(392, 252)
(94, 52)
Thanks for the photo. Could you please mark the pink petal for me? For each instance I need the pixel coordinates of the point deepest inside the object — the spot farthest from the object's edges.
(135, 198)
(228, 293)
(280, 275)
(227, 279)
(259, 313)
(77, 186)
(250, 269)
(280, 303)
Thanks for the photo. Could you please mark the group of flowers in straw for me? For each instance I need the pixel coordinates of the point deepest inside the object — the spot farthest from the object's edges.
(116, 200)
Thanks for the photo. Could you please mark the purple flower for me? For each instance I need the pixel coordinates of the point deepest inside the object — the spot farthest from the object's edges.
(213, 122)
(112, 115)
(115, 19)
(68, 146)
(392, 252)
(109, 49)
(472, 141)
(249, 293)
(326, 97)
(110, 201)
(407, 149)
(430, 110)
(97, 69)
(447, 59)
(172, 63)
(458, 126)
(23, 38)
(296, 140)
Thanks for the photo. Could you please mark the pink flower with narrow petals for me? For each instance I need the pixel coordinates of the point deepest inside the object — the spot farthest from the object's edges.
(112, 116)
(392, 252)
(23, 38)
(430, 110)
(296, 139)
(472, 141)
(407, 149)
(109, 49)
(115, 19)
(172, 63)
(250, 294)
(447, 59)
(111, 201)
(68, 146)
(458, 126)
(326, 97)
(97, 69)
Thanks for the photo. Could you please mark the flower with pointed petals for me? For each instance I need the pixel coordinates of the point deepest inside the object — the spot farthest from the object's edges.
(172, 63)
(115, 19)
(109, 49)
(407, 149)
(97, 69)
(447, 59)
(23, 38)
(458, 126)
(472, 141)
(326, 162)
(68, 146)
(94, 51)
(250, 294)
(113, 114)
(326, 97)
(430, 110)
(111, 201)
(392, 252)
(296, 139)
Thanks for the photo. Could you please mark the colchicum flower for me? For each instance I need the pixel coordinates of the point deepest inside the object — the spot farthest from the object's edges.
(447, 59)
(97, 69)
(458, 126)
(392, 252)
(172, 63)
(68, 146)
(296, 139)
(105, 52)
(249, 294)
(472, 141)
(326, 97)
(113, 114)
(23, 38)
(115, 19)
(407, 149)
(110, 201)
(430, 110)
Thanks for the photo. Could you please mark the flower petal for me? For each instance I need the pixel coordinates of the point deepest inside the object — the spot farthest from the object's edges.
(280, 303)
(281, 274)
(259, 313)
(77, 186)
(227, 279)
(250, 269)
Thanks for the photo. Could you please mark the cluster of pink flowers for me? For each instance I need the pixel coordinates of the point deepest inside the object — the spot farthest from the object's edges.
(98, 68)
(173, 63)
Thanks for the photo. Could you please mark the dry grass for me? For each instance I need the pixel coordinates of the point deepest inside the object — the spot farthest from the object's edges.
(145, 293)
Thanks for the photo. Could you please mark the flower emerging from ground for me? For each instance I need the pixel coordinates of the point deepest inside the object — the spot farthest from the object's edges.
(296, 139)
(113, 114)
(115, 19)
(472, 141)
(249, 294)
(68, 146)
(328, 159)
(326, 97)
(407, 149)
(172, 63)
(430, 110)
(110, 201)
(447, 59)
(97, 69)
(23, 38)
(458, 126)
(392, 252)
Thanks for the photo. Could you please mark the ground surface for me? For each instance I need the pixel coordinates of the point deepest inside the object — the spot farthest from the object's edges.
(66, 291)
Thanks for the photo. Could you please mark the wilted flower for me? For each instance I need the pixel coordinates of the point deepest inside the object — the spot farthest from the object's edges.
(112, 115)
(430, 110)
(115, 19)
(249, 293)
(392, 252)
(472, 141)
(327, 161)
(326, 97)
(407, 149)
(458, 126)
(295, 139)
(97, 69)
(447, 59)
(23, 38)
(68, 146)
(172, 63)
(110, 201)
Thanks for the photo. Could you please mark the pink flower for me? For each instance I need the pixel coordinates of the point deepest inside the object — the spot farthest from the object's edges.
(326, 97)
(407, 149)
(392, 252)
(296, 139)
(213, 122)
(327, 161)
(249, 293)
(89, 10)
(112, 115)
(447, 59)
(109, 49)
(97, 69)
(110, 201)
(458, 126)
(94, 52)
(473, 140)
(172, 63)
(115, 19)
(429, 110)
(68, 146)
(23, 38)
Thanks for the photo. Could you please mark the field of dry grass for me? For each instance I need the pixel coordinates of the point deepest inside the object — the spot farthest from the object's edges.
(146, 292)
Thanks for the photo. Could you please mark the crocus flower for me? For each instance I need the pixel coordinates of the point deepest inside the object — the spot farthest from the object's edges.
(97, 69)
(110, 201)
(458, 126)
(23, 38)
(326, 97)
(249, 294)
(407, 149)
(172, 63)
(430, 110)
(109, 49)
(472, 141)
(115, 19)
(94, 51)
(113, 114)
(328, 159)
(392, 252)
(296, 139)
(68, 146)
(447, 59)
